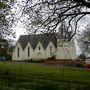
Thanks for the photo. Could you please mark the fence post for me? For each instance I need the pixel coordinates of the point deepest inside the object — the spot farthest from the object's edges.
(62, 73)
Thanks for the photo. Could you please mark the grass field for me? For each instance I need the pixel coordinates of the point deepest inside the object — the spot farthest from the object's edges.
(24, 76)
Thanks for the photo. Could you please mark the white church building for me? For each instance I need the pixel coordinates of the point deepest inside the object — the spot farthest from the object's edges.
(43, 46)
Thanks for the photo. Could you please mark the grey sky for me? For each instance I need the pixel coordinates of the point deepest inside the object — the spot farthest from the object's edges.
(20, 29)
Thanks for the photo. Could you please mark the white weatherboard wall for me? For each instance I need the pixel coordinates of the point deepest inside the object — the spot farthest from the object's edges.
(48, 50)
(15, 53)
(66, 50)
(39, 52)
(25, 53)
(63, 51)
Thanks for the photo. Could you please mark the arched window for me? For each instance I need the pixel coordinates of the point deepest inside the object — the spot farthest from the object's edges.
(18, 51)
(39, 47)
(28, 51)
(50, 50)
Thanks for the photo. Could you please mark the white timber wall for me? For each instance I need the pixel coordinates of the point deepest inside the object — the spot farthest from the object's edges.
(66, 50)
(15, 53)
(73, 50)
(31, 52)
(39, 52)
(63, 51)
(48, 53)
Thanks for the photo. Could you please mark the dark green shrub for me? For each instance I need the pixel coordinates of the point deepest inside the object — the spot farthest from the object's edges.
(79, 65)
(52, 58)
(82, 56)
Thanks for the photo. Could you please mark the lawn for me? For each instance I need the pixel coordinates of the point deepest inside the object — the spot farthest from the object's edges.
(43, 76)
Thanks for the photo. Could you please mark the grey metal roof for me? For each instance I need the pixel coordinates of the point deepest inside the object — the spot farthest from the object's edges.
(34, 39)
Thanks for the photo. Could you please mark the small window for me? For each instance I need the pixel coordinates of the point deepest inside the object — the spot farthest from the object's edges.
(18, 52)
(39, 47)
(28, 51)
(50, 50)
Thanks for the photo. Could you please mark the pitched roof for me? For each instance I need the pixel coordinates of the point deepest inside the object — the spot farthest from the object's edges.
(34, 39)
(11, 48)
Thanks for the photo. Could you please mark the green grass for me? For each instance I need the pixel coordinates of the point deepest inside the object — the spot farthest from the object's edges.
(47, 72)
(44, 76)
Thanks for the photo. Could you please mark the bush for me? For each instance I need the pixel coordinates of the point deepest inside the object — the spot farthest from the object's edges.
(52, 58)
(34, 61)
(82, 56)
(87, 65)
(79, 65)
(5, 57)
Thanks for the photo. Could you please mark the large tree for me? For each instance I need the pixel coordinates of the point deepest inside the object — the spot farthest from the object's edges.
(84, 40)
(6, 18)
(46, 15)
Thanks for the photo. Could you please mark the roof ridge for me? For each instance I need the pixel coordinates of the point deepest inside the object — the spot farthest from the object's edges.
(34, 39)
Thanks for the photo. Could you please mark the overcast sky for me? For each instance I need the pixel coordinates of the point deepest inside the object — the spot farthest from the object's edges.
(20, 30)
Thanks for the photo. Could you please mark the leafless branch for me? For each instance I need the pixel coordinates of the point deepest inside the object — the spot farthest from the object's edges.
(49, 14)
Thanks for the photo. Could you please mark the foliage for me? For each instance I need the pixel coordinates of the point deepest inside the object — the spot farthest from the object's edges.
(84, 40)
(52, 58)
(2, 5)
(6, 18)
(46, 16)
(82, 56)
(4, 46)
(87, 65)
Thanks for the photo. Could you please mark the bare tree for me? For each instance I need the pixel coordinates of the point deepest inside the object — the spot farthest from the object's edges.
(46, 15)
(84, 40)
